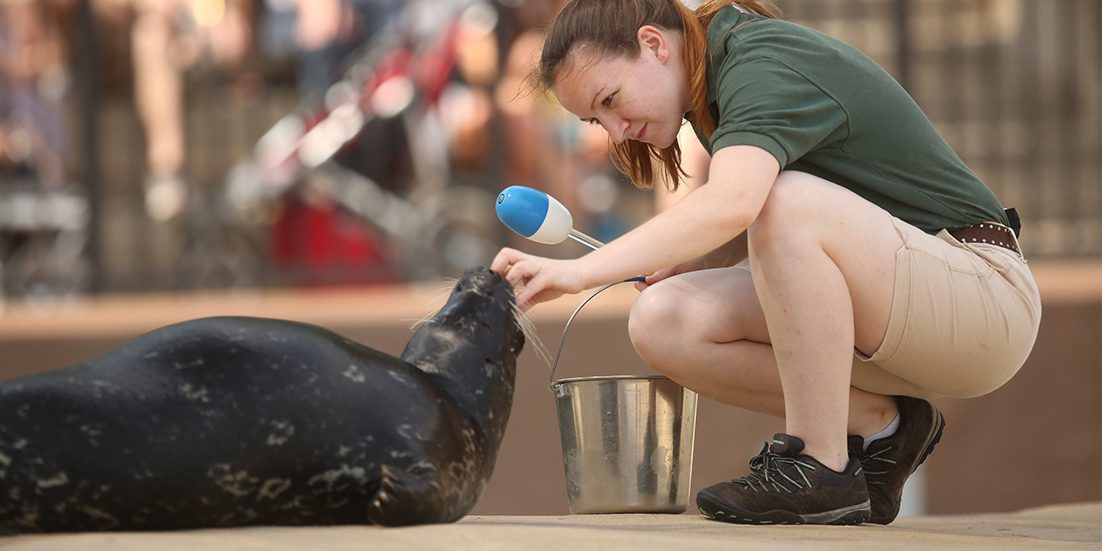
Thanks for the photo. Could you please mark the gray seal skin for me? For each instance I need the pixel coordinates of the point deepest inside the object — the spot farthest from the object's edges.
(233, 421)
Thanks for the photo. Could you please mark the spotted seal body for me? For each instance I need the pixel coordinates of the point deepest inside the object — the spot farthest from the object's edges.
(239, 421)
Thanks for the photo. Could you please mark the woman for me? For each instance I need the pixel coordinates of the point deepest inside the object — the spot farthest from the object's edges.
(882, 272)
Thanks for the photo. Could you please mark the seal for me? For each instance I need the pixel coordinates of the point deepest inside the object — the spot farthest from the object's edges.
(233, 421)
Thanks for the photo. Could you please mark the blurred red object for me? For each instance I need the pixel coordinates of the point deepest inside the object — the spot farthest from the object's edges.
(317, 244)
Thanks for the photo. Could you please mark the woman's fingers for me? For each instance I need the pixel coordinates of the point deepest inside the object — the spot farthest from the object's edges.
(533, 278)
(505, 259)
(524, 298)
(516, 267)
(536, 291)
(520, 270)
(647, 281)
(659, 275)
(537, 284)
(521, 273)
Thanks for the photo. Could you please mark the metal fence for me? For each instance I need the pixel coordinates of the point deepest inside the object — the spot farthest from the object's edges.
(1013, 85)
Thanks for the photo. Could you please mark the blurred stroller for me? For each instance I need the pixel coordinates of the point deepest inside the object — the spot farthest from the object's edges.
(389, 97)
(44, 217)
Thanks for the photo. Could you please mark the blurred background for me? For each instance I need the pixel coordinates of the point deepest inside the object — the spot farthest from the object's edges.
(150, 145)
(271, 149)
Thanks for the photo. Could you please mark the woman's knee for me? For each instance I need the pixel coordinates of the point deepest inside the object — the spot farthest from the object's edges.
(654, 316)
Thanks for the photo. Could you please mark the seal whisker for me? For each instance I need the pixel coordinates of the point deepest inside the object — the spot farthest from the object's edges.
(420, 321)
(528, 328)
(438, 300)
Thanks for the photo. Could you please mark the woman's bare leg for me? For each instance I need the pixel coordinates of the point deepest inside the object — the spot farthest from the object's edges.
(812, 244)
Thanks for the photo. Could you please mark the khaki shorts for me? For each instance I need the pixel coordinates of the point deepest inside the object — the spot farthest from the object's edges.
(964, 319)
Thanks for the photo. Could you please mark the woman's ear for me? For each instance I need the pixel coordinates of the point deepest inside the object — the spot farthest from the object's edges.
(653, 39)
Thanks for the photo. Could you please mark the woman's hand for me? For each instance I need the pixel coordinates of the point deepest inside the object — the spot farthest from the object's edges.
(684, 267)
(729, 254)
(535, 278)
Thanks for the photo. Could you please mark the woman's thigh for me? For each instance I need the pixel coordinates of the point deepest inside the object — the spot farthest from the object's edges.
(807, 217)
(717, 305)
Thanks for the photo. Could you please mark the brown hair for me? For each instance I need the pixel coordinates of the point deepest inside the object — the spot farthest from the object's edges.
(609, 27)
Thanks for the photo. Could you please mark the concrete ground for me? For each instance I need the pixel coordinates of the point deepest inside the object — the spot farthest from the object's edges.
(1071, 526)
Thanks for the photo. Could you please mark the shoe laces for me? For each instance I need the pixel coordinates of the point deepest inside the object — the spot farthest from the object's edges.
(876, 464)
(767, 473)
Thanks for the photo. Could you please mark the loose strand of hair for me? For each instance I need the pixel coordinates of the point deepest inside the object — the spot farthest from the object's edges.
(697, 55)
(635, 159)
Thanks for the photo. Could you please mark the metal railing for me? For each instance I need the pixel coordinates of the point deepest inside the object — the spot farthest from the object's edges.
(1013, 85)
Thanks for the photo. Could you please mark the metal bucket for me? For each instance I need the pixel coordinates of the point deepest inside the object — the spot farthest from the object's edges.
(627, 441)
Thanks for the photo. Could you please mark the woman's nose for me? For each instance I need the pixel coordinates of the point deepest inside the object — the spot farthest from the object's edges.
(616, 128)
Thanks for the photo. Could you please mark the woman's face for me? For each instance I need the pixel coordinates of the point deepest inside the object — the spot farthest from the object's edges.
(642, 99)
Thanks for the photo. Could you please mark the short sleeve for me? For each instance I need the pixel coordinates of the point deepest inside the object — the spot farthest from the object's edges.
(765, 103)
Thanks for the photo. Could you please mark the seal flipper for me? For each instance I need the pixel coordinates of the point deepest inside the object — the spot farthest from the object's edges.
(405, 497)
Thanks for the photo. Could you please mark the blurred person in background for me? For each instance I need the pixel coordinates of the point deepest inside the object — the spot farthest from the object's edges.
(321, 34)
(35, 80)
(43, 207)
(168, 37)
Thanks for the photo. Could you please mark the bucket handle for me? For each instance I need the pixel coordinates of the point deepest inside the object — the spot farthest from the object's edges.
(562, 340)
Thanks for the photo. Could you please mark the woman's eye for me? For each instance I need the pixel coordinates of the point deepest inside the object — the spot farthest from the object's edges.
(592, 122)
(608, 101)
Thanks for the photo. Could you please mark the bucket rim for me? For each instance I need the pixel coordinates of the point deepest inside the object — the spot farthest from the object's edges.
(591, 378)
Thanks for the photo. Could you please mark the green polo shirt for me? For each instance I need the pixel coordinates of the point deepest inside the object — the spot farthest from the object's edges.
(821, 106)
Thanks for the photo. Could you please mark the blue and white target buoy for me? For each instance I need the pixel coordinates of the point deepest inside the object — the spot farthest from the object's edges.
(537, 216)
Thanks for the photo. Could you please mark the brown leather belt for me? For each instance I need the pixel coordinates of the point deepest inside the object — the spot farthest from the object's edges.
(989, 233)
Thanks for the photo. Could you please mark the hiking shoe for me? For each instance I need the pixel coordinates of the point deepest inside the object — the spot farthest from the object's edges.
(889, 461)
(784, 487)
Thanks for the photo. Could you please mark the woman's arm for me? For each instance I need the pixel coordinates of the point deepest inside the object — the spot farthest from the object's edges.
(739, 180)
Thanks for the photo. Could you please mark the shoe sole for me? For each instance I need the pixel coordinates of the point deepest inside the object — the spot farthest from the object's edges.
(854, 514)
(939, 429)
(940, 424)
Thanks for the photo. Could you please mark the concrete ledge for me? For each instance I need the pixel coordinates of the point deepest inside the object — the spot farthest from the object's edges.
(126, 315)
(1076, 526)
